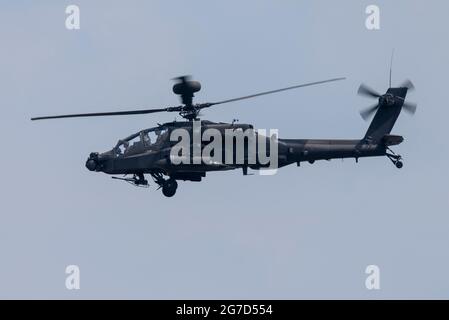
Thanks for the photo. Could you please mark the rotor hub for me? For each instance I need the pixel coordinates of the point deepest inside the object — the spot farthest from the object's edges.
(387, 99)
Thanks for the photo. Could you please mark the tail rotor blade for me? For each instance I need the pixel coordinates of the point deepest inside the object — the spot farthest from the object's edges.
(410, 107)
(364, 90)
(366, 114)
(408, 84)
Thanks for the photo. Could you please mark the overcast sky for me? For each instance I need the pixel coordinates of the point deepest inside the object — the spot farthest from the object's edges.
(306, 232)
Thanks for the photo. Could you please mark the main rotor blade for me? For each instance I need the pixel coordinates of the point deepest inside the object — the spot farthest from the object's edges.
(364, 90)
(410, 107)
(366, 114)
(206, 105)
(101, 114)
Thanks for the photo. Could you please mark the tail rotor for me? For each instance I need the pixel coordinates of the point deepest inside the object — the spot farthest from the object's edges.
(390, 98)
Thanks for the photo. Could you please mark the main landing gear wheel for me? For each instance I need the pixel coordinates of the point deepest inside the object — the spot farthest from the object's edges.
(169, 187)
(395, 158)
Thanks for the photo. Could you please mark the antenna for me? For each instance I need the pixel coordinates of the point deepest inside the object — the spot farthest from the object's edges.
(391, 66)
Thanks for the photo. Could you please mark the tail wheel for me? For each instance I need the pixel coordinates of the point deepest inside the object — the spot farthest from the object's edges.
(399, 164)
(169, 187)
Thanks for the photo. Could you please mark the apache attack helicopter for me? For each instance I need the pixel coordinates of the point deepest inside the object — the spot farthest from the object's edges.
(138, 154)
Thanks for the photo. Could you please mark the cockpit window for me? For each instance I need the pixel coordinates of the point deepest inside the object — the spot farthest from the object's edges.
(141, 141)
(161, 135)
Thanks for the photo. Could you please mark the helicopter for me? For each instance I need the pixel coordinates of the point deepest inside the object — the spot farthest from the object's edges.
(138, 155)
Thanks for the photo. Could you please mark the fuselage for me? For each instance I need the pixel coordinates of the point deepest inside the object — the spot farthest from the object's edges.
(142, 155)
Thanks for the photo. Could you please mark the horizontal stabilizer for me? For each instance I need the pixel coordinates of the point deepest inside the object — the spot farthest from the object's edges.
(392, 140)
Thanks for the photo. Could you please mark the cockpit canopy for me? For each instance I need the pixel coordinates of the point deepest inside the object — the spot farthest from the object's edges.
(141, 141)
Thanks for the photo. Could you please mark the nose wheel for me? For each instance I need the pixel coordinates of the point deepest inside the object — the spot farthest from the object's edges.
(396, 159)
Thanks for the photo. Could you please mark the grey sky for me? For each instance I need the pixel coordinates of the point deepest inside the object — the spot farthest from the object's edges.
(306, 232)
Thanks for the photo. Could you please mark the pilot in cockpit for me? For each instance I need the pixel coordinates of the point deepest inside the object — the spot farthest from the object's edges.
(125, 146)
(145, 138)
(158, 135)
